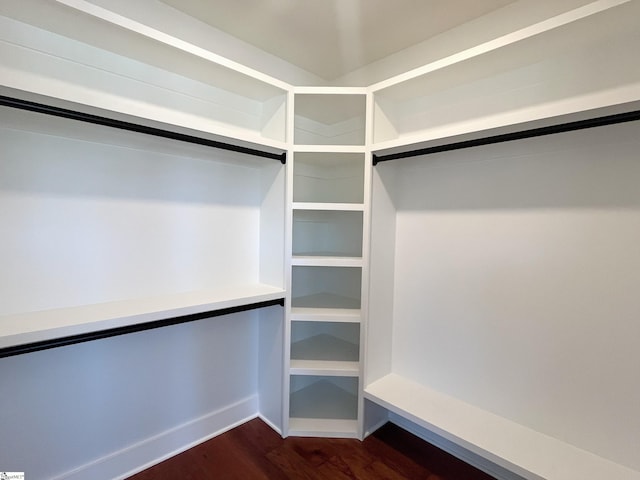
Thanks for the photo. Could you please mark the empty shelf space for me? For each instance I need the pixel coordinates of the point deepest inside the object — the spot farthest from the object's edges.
(185, 88)
(328, 177)
(541, 73)
(325, 119)
(32, 327)
(321, 397)
(515, 447)
(326, 287)
(325, 353)
(327, 233)
(325, 341)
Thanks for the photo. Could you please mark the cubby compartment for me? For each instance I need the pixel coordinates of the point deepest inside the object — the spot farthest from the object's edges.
(326, 119)
(324, 397)
(328, 177)
(325, 341)
(318, 287)
(325, 233)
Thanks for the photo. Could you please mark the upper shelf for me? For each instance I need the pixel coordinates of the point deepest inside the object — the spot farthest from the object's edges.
(92, 60)
(573, 66)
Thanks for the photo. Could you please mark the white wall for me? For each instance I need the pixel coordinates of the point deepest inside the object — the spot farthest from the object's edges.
(516, 273)
(89, 215)
(125, 401)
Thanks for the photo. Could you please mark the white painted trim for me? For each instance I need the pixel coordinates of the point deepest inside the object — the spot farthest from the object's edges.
(270, 423)
(153, 450)
(330, 149)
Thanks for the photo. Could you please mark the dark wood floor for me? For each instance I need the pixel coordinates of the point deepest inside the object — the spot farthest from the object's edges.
(255, 451)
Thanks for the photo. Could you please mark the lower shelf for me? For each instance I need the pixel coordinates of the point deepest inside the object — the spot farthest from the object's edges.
(37, 330)
(323, 406)
(515, 447)
(314, 427)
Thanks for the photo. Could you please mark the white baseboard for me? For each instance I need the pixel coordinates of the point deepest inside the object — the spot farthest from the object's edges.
(150, 451)
(457, 451)
(271, 424)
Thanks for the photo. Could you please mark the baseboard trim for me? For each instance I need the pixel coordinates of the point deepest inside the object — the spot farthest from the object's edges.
(463, 454)
(123, 463)
(271, 424)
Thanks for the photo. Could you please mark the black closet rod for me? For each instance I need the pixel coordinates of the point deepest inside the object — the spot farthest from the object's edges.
(113, 332)
(134, 127)
(507, 137)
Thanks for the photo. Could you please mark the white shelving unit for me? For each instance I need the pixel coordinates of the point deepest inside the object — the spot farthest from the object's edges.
(107, 231)
(122, 70)
(427, 212)
(109, 208)
(486, 302)
(125, 70)
(540, 75)
(104, 229)
(328, 212)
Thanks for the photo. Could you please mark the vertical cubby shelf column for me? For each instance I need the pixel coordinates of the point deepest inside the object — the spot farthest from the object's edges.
(328, 215)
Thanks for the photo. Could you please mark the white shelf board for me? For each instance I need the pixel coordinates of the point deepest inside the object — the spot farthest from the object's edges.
(341, 315)
(347, 207)
(325, 427)
(45, 325)
(326, 261)
(322, 301)
(515, 447)
(330, 148)
(329, 368)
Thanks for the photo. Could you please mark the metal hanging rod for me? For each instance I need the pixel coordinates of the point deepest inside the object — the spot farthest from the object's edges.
(507, 137)
(113, 332)
(134, 127)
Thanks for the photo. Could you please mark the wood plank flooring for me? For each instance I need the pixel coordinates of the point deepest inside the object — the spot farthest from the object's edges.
(255, 451)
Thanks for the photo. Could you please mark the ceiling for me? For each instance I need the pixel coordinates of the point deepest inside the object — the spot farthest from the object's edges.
(331, 38)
